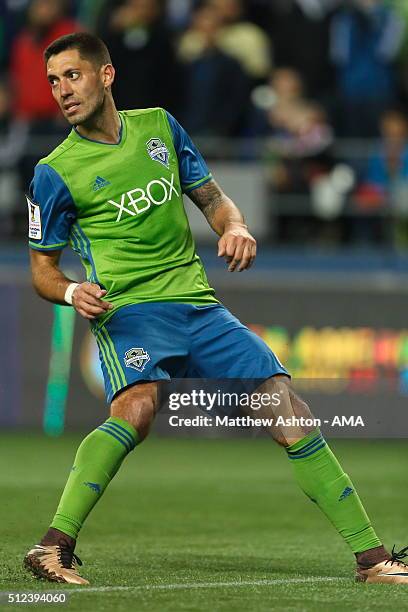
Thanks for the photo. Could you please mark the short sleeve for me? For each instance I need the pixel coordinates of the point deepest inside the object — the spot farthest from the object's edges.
(193, 169)
(51, 210)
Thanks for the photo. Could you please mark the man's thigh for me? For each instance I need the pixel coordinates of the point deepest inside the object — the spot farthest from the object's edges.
(223, 348)
(141, 343)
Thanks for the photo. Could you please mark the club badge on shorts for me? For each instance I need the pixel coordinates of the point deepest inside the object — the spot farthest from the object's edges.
(158, 151)
(136, 358)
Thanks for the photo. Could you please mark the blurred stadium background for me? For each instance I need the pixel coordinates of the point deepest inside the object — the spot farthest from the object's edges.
(299, 107)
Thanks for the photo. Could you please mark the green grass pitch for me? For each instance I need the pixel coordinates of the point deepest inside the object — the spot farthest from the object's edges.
(203, 525)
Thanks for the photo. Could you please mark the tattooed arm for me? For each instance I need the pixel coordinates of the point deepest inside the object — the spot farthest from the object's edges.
(218, 209)
(236, 244)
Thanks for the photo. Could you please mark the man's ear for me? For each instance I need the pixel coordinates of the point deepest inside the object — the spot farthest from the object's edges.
(108, 75)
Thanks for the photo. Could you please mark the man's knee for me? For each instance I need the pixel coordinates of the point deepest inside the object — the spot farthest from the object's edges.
(293, 419)
(281, 383)
(137, 405)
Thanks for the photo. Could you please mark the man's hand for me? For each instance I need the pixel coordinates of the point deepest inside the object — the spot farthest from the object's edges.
(87, 300)
(238, 247)
(236, 243)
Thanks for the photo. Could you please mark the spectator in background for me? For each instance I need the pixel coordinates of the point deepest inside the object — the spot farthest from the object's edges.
(300, 158)
(384, 186)
(33, 101)
(46, 21)
(301, 147)
(243, 40)
(300, 34)
(13, 140)
(390, 163)
(178, 13)
(142, 53)
(88, 11)
(273, 104)
(366, 38)
(216, 87)
(12, 19)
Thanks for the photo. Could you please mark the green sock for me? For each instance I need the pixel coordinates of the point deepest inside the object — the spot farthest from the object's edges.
(321, 477)
(97, 460)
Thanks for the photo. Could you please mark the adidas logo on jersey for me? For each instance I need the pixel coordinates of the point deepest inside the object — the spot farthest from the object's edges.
(137, 201)
(100, 183)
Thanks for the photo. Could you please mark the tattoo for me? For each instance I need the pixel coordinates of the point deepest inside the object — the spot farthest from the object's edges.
(208, 198)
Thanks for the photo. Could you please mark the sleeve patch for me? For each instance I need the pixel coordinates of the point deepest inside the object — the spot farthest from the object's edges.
(34, 220)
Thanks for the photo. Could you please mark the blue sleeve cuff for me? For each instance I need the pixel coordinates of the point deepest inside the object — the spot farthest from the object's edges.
(200, 183)
(44, 247)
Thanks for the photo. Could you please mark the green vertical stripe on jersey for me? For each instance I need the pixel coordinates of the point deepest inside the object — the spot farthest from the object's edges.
(114, 355)
(78, 239)
(74, 241)
(86, 249)
(78, 246)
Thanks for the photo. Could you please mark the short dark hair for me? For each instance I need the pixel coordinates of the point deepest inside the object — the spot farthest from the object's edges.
(89, 46)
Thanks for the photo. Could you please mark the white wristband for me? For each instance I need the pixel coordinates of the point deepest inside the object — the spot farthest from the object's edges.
(68, 293)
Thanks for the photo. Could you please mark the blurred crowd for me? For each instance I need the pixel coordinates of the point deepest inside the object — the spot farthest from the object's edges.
(295, 74)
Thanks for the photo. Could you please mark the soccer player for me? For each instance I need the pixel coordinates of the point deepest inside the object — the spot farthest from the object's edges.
(113, 191)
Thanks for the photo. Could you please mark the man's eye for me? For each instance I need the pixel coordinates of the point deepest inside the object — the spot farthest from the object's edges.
(74, 76)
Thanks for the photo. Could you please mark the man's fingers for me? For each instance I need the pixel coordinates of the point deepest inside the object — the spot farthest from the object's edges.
(252, 255)
(87, 300)
(89, 295)
(92, 289)
(246, 258)
(238, 248)
(92, 301)
(237, 256)
(85, 303)
(233, 243)
(221, 247)
(90, 309)
(89, 312)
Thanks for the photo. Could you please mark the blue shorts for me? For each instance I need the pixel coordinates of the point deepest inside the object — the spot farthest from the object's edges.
(163, 340)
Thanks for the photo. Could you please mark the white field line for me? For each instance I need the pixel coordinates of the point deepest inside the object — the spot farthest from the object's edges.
(204, 585)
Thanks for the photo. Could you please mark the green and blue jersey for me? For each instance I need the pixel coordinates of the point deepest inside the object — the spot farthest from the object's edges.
(120, 207)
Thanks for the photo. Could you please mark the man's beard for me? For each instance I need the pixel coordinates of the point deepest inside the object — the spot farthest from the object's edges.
(91, 116)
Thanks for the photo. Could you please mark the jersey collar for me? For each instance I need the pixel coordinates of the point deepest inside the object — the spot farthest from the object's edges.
(75, 132)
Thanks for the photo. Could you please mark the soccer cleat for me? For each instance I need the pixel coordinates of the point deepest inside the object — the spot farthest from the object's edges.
(54, 563)
(392, 571)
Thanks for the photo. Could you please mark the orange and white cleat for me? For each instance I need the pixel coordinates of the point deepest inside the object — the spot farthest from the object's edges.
(54, 563)
(392, 571)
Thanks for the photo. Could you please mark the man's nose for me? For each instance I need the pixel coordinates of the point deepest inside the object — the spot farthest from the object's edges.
(65, 88)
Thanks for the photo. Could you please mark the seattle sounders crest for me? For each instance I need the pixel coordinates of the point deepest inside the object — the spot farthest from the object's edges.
(136, 358)
(158, 151)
